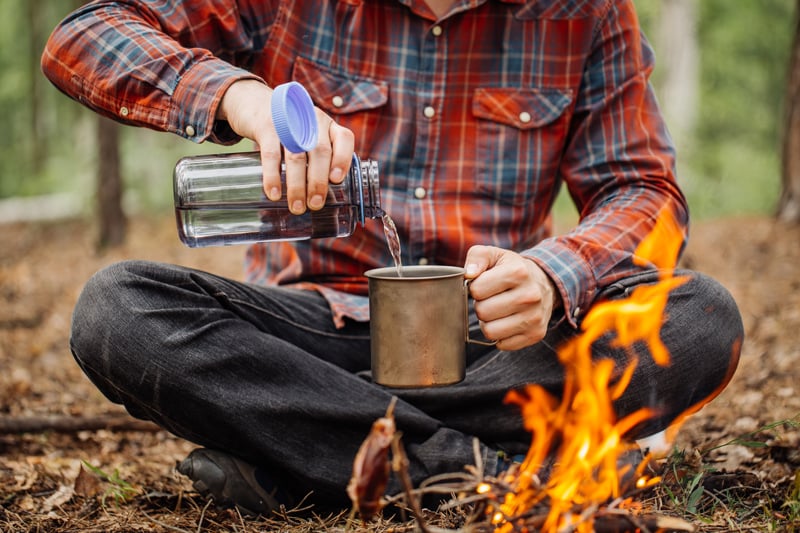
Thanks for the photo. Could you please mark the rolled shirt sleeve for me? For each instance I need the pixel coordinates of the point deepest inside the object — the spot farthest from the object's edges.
(618, 165)
(120, 59)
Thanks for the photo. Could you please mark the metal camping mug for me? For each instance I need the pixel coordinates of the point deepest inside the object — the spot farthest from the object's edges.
(418, 325)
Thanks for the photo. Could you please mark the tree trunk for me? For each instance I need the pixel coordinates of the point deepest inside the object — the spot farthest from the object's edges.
(789, 203)
(109, 185)
(35, 44)
(678, 60)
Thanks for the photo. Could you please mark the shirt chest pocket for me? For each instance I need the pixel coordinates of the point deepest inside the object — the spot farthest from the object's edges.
(520, 137)
(353, 101)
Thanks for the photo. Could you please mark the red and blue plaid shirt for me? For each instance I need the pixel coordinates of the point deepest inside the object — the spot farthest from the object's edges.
(476, 119)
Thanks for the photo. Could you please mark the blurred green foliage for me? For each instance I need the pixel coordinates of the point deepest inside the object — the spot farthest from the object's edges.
(731, 162)
(729, 165)
(48, 143)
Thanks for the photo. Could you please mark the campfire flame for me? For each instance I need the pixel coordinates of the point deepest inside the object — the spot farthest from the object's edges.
(582, 430)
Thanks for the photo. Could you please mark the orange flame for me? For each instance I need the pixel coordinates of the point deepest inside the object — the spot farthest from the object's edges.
(582, 429)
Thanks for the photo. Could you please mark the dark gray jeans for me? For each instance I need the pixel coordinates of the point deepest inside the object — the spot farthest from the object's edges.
(262, 373)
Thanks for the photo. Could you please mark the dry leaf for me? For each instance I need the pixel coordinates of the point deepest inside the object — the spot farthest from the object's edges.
(735, 457)
(371, 466)
(25, 476)
(26, 503)
(88, 484)
(58, 498)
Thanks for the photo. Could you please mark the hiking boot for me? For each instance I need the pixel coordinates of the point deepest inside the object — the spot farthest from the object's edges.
(229, 481)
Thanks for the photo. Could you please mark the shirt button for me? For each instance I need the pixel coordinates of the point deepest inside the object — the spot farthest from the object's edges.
(524, 117)
(337, 101)
(420, 193)
(123, 111)
(422, 261)
(190, 131)
(436, 31)
(429, 112)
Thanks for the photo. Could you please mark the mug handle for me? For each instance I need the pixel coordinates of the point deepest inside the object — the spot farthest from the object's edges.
(466, 319)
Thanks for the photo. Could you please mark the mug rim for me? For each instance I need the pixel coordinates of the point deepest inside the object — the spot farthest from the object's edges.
(437, 272)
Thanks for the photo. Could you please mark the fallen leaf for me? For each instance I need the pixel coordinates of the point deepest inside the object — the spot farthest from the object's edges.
(58, 498)
(88, 484)
(26, 503)
(25, 476)
(789, 454)
(371, 466)
(735, 456)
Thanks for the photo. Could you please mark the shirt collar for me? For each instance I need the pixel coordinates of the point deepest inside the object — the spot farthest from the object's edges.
(472, 3)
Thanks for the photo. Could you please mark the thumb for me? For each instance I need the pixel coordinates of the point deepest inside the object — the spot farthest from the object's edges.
(479, 259)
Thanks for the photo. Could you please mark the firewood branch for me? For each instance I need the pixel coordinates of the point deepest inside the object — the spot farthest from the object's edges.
(72, 424)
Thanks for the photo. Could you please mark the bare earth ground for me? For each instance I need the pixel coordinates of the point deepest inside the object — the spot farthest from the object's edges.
(751, 484)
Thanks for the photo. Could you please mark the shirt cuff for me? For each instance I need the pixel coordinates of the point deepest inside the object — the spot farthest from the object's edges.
(196, 98)
(571, 275)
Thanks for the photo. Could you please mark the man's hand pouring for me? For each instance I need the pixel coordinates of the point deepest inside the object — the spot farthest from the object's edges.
(246, 107)
(514, 298)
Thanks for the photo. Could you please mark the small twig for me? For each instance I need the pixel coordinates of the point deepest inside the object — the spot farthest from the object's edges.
(476, 451)
(586, 515)
(456, 476)
(461, 502)
(639, 525)
(203, 515)
(73, 424)
(620, 521)
(178, 502)
(163, 524)
(241, 519)
(400, 466)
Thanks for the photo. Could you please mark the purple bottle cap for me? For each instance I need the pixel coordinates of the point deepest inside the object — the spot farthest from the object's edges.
(294, 117)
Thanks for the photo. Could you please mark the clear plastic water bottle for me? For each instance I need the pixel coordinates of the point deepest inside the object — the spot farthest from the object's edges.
(220, 200)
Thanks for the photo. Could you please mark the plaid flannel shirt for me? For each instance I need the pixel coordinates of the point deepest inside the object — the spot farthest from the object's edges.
(476, 119)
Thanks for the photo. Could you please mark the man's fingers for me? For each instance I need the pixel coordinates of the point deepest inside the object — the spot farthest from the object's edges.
(481, 258)
(295, 165)
(319, 165)
(306, 174)
(329, 161)
(343, 145)
(271, 167)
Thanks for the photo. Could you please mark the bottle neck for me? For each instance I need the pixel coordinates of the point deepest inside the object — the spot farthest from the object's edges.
(367, 186)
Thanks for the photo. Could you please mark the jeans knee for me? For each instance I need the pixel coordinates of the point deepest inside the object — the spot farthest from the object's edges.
(724, 329)
(705, 335)
(100, 309)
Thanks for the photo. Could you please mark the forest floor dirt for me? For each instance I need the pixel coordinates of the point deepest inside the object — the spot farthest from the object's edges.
(745, 444)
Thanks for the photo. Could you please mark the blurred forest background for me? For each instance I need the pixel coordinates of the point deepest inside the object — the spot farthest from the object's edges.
(721, 78)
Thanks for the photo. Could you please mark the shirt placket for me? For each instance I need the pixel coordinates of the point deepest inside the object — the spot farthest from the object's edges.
(422, 189)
